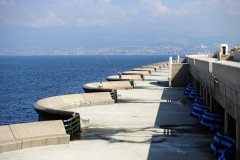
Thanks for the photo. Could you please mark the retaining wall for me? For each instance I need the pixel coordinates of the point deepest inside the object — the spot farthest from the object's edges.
(220, 81)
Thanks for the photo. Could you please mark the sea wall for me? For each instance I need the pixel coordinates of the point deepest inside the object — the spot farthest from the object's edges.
(56, 107)
(53, 114)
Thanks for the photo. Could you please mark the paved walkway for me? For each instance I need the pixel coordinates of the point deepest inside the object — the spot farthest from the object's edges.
(149, 122)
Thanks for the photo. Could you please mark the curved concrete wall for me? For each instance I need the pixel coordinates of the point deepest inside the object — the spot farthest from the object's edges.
(55, 107)
(156, 68)
(145, 73)
(125, 78)
(107, 86)
(144, 69)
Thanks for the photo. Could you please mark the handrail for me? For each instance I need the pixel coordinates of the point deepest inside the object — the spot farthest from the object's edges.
(222, 145)
(72, 125)
(114, 95)
(212, 120)
(198, 110)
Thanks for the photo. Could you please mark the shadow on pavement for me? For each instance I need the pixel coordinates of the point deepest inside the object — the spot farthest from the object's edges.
(186, 138)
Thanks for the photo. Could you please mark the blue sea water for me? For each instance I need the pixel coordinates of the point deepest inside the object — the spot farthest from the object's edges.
(25, 80)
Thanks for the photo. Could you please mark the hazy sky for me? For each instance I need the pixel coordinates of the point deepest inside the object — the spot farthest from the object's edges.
(92, 23)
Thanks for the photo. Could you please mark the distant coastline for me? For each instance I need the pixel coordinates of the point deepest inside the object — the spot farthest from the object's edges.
(161, 48)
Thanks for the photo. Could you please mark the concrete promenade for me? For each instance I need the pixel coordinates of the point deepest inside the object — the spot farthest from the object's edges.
(151, 122)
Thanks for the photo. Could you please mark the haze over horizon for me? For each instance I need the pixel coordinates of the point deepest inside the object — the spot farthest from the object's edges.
(28, 26)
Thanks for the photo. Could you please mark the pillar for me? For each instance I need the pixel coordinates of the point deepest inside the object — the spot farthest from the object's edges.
(170, 72)
(178, 58)
(204, 96)
(226, 123)
(170, 60)
(207, 104)
(211, 103)
(237, 140)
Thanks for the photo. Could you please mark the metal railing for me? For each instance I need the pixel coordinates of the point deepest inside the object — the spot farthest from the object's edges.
(72, 125)
(223, 145)
(114, 95)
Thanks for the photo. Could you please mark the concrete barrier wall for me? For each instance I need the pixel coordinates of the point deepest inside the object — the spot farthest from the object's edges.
(107, 86)
(8, 141)
(145, 73)
(56, 107)
(144, 69)
(228, 73)
(66, 102)
(121, 85)
(182, 60)
(198, 56)
(236, 55)
(99, 98)
(157, 68)
(27, 135)
(125, 78)
(178, 77)
(202, 65)
(220, 80)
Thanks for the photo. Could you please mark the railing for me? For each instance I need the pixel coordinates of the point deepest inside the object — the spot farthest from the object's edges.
(132, 83)
(189, 88)
(72, 125)
(213, 121)
(194, 94)
(114, 95)
(222, 145)
(198, 110)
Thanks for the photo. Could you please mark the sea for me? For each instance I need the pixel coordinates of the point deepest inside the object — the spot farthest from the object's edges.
(26, 79)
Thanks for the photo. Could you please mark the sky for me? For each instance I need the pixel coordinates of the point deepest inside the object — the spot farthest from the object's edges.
(91, 24)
